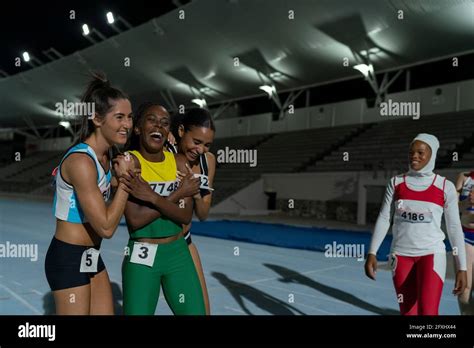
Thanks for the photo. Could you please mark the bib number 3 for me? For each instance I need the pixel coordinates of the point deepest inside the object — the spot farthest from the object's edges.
(143, 254)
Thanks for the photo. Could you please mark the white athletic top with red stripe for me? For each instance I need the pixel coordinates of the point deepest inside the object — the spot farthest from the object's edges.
(419, 204)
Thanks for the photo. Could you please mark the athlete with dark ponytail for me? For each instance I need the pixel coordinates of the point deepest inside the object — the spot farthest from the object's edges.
(194, 132)
(74, 268)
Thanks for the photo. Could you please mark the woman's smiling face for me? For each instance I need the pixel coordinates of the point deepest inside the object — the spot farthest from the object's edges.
(196, 141)
(154, 128)
(419, 155)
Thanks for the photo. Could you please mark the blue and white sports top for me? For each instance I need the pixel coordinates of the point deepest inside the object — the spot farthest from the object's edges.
(66, 205)
(467, 186)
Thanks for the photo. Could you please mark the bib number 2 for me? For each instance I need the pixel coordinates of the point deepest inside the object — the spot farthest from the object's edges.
(204, 182)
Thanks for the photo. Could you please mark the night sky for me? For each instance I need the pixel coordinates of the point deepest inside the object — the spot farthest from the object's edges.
(39, 25)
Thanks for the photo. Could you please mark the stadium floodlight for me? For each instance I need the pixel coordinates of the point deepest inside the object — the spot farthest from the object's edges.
(364, 69)
(85, 29)
(371, 51)
(110, 17)
(205, 90)
(65, 124)
(87, 33)
(31, 59)
(275, 75)
(270, 90)
(199, 102)
(114, 20)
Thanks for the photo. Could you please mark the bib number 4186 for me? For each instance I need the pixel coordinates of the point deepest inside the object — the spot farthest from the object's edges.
(415, 217)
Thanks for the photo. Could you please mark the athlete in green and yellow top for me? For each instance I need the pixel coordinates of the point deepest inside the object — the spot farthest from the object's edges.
(161, 176)
(157, 254)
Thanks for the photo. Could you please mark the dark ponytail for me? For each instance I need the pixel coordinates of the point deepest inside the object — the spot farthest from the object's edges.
(99, 93)
(194, 117)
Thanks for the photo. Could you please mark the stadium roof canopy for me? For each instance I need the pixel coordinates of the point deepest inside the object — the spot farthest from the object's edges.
(177, 59)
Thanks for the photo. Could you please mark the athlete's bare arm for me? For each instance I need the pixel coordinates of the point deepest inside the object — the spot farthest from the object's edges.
(140, 213)
(80, 171)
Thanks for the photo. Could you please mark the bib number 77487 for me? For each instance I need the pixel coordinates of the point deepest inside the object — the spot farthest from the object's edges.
(164, 188)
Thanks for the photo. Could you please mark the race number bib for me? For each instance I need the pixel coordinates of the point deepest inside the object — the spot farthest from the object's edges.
(204, 182)
(414, 216)
(393, 262)
(143, 253)
(106, 193)
(164, 188)
(89, 260)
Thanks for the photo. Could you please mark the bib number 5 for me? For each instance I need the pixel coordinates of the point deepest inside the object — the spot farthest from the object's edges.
(89, 260)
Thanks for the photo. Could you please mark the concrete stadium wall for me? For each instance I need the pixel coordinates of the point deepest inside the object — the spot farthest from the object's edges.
(362, 188)
(451, 97)
(51, 144)
(250, 200)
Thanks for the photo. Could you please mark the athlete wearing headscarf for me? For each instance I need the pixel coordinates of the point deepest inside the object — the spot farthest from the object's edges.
(418, 253)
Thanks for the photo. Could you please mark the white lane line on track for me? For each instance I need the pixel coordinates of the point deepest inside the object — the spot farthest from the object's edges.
(36, 292)
(20, 299)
